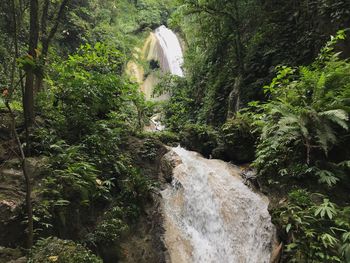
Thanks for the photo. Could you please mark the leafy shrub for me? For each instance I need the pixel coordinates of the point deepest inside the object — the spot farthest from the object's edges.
(315, 229)
(136, 188)
(177, 110)
(167, 137)
(70, 181)
(152, 14)
(61, 251)
(149, 149)
(71, 176)
(305, 127)
(305, 119)
(89, 87)
(110, 228)
(103, 146)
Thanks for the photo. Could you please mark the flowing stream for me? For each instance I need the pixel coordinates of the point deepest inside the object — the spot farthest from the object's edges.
(211, 216)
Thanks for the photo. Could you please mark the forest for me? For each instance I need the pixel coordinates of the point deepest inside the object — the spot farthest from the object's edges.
(265, 90)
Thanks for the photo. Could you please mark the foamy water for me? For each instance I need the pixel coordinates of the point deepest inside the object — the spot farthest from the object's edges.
(211, 216)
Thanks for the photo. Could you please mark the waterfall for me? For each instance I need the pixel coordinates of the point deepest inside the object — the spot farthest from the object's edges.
(163, 46)
(170, 48)
(211, 216)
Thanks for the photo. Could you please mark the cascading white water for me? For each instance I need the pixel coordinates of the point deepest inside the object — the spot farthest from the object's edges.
(172, 57)
(163, 46)
(211, 216)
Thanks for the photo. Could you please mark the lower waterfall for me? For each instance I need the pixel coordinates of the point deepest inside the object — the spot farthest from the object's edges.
(212, 216)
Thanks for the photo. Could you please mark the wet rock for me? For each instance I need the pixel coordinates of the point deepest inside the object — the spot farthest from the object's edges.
(144, 244)
(276, 253)
(168, 163)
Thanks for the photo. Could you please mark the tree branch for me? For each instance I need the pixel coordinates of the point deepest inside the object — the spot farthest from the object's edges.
(47, 40)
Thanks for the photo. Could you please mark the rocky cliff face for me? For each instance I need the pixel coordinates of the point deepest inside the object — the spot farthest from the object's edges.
(144, 243)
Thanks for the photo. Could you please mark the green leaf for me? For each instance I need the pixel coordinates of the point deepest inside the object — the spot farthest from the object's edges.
(288, 227)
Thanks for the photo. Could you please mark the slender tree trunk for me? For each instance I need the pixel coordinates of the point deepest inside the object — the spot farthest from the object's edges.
(47, 38)
(28, 183)
(28, 201)
(234, 100)
(28, 98)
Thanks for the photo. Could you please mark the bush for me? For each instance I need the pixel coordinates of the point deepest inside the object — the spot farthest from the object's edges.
(86, 88)
(61, 251)
(306, 119)
(314, 229)
(110, 228)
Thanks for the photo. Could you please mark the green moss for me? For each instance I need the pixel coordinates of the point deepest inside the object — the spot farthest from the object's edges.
(238, 140)
(200, 138)
(61, 251)
(7, 254)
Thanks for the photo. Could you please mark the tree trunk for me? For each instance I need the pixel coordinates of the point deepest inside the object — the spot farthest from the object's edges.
(47, 38)
(28, 186)
(28, 183)
(234, 99)
(28, 99)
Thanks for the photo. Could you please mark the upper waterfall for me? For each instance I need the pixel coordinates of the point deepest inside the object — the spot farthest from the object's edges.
(171, 58)
(162, 46)
(211, 216)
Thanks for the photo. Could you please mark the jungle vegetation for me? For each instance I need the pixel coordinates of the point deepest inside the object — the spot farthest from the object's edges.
(266, 83)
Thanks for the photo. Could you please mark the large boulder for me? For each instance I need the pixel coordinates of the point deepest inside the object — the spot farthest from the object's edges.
(238, 141)
(61, 251)
(12, 255)
(199, 138)
(168, 162)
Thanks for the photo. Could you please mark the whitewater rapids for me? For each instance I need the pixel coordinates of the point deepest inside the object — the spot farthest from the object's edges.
(212, 216)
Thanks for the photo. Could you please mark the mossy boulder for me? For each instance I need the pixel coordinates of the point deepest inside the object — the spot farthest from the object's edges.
(61, 251)
(238, 141)
(10, 254)
(199, 138)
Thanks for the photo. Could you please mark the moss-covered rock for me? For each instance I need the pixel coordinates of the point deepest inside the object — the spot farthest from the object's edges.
(199, 138)
(168, 137)
(238, 141)
(12, 197)
(9, 254)
(61, 251)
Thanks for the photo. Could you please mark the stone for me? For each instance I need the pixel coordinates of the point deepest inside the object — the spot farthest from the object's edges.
(168, 162)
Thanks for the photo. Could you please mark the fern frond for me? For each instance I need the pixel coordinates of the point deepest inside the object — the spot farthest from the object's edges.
(337, 116)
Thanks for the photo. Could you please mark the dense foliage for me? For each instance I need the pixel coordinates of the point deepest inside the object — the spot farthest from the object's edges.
(261, 85)
(304, 138)
(272, 91)
(233, 47)
(91, 189)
